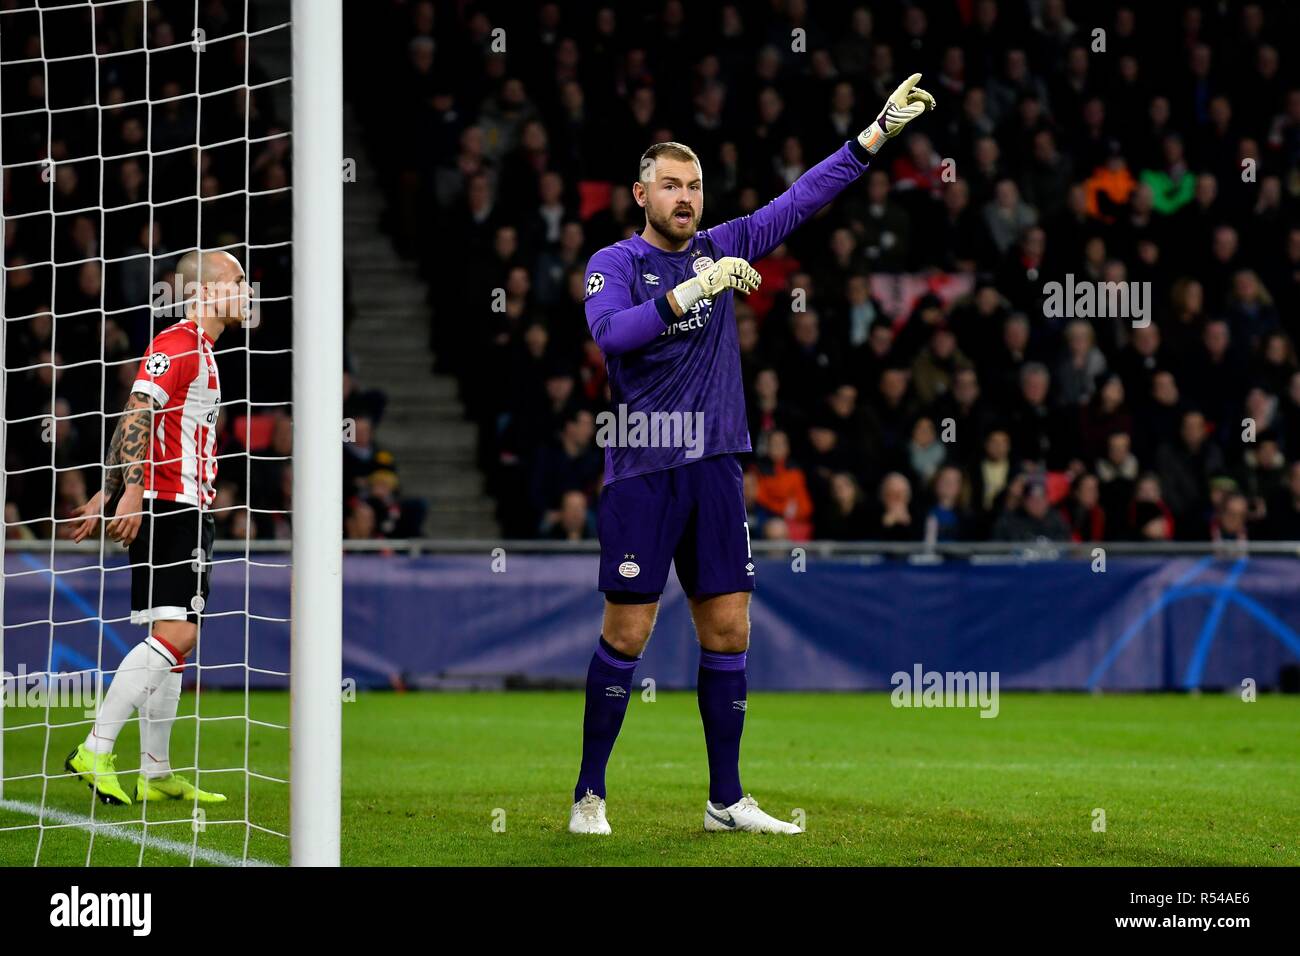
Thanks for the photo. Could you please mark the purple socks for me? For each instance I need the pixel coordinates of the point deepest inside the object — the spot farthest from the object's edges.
(723, 698)
(722, 692)
(609, 684)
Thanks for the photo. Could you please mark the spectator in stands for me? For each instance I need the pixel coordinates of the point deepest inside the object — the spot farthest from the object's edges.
(1230, 519)
(925, 453)
(963, 417)
(1284, 509)
(1264, 473)
(783, 489)
(571, 462)
(1080, 366)
(574, 520)
(1083, 511)
(1186, 467)
(1007, 216)
(947, 519)
(989, 478)
(1039, 432)
(894, 520)
(1034, 518)
(359, 520)
(845, 517)
(939, 361)
(1150, 519)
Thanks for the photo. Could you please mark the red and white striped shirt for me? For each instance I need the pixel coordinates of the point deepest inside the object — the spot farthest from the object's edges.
(180, 373)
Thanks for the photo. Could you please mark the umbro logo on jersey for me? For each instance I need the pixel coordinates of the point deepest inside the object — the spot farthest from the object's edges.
(613, 690)
(157, 363)
(595, 282)
(650, 279)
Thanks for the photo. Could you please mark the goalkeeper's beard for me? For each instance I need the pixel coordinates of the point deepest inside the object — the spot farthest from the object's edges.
(668, 227)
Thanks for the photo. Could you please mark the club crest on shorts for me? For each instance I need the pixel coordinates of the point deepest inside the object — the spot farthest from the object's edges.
(702, 263)
(157, 363)
(629, 569)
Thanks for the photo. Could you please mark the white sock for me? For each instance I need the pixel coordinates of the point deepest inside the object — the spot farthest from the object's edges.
(157, 714)
(141, 672)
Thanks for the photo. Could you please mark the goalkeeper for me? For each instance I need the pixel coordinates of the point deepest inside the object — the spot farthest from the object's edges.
(659, 305)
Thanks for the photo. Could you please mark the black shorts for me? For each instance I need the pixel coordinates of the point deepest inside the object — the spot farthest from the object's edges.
(171, 563)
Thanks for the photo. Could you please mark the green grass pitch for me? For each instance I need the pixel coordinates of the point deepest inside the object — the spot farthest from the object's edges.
(486, 778)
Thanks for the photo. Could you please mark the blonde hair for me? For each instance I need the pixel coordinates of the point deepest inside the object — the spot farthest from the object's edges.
(672, 150)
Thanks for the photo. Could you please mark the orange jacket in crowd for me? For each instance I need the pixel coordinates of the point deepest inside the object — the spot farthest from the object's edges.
(1116, 185)
(779, 486)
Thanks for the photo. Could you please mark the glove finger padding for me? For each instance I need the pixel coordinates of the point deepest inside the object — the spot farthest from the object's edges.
(903, 95)
(921, 96)
(731, 272)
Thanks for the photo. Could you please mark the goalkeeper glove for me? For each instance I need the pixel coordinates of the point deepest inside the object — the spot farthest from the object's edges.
(729, 272)
(904, 105)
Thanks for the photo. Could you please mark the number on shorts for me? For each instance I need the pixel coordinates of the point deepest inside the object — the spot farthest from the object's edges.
(748, 551)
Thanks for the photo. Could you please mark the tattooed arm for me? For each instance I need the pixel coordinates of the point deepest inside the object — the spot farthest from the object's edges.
(127, 452)
(129, 446)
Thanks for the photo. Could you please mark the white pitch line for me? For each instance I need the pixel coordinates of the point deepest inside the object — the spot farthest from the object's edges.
(114, 831)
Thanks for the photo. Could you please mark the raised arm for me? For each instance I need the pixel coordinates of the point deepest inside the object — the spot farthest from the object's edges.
(754, 236)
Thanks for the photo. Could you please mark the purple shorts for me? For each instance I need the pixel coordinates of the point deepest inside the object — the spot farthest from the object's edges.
(691, 515)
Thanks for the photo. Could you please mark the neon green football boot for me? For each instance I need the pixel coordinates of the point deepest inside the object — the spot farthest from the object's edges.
(100, 771)
(175, 787)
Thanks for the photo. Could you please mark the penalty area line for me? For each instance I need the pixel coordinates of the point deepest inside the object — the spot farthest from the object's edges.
(115, 831)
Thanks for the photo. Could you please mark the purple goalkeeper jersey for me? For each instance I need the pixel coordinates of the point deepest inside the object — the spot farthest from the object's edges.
(675, 381)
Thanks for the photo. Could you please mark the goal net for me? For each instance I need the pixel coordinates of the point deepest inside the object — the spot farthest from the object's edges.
(133, 132)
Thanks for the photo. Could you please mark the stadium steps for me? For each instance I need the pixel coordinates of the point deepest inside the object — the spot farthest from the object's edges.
(424, 422)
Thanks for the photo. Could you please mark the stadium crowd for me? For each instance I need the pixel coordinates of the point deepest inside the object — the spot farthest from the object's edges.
(906, 378)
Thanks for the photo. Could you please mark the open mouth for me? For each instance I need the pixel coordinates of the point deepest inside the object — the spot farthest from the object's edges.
(682, 217)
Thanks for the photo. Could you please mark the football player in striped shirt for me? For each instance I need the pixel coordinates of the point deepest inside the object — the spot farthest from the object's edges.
(159, 482)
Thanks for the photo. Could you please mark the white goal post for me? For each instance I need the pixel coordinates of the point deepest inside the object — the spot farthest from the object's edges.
(316, 649)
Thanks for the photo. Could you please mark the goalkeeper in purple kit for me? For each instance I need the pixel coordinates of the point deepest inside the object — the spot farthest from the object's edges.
(659, 305)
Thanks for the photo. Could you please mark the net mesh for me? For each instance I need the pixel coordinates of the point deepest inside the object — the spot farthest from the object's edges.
(132, 132)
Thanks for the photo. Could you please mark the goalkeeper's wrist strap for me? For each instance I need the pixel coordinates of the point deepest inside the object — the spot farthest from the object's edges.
(688, 293)
(872, 138)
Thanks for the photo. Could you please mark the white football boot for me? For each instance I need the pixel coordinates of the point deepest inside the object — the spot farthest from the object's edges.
(588, 816)
(744, 815)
